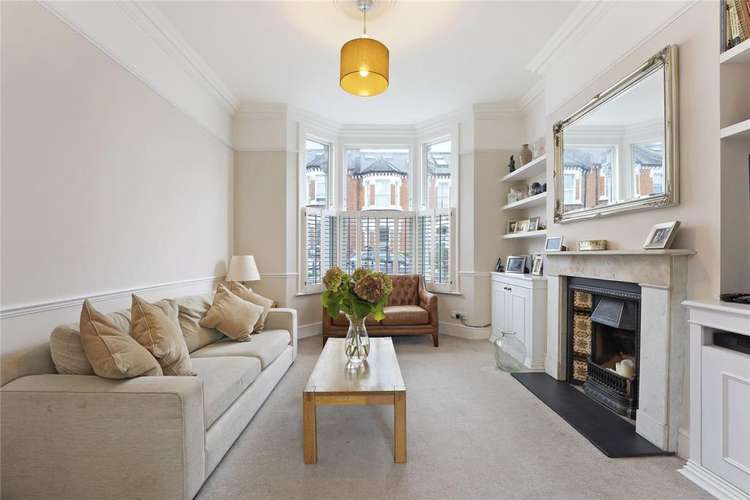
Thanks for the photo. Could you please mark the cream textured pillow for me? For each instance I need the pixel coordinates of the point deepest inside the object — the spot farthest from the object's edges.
(191, 310)
(156, 327)
(231, 315)
(247, 294)
(112, 352)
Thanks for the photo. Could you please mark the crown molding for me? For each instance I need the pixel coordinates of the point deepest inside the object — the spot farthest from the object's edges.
(315, 123)
(381, 131)
(140, 39)
(532, 95)
(250, 107)
(575, 22)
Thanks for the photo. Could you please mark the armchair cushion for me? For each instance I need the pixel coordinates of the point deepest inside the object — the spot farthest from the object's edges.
(405, 315)
(405, 290)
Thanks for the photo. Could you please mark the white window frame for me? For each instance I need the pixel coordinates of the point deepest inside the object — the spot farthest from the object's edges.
(410, 174)
(577, 178)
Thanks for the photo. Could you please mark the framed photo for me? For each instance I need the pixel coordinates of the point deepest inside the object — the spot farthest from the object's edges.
(534, 224)
(662, 235)
(536, 267)
(522, 226)
(499, 265)
(553, 244)
(511, 227)
(515, 264)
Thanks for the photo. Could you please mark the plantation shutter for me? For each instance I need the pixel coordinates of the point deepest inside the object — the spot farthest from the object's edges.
(386, 244)
(368, 232)
(443, 247)
(348, 227)
(425, 230)
(313, 232)
(405, 249)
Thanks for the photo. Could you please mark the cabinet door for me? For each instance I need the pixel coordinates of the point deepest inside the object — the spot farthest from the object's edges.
(498, 308)
(518, 305)
(725, 419)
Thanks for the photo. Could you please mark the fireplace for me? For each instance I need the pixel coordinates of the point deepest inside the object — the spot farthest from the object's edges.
(604, 320)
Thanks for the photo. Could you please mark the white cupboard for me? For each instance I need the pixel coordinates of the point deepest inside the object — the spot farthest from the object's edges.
(519, 306)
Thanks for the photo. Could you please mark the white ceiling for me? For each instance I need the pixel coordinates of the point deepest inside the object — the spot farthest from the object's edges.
(444, 55)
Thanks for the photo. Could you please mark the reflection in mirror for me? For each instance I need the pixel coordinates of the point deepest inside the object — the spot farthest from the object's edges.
(616, 152)
(613, 154)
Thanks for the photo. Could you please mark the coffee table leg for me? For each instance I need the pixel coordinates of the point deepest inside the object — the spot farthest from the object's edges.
(399, 427)
(310, 428)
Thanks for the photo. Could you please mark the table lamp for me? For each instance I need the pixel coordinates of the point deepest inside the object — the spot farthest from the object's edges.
(242, 268)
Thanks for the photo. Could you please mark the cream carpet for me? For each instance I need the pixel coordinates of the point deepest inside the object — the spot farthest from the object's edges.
(473, 432)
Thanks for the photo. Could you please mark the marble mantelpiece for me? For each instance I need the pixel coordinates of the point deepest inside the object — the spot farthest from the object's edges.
(662, 276)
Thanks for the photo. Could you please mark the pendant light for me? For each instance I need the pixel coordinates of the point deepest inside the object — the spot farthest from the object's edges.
(364, 62)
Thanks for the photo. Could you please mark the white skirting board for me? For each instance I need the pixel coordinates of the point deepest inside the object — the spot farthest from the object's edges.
(309, 330)
(712, 483)
(464, 332)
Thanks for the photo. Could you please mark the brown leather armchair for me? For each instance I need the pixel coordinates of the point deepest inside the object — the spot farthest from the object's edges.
(411, 310)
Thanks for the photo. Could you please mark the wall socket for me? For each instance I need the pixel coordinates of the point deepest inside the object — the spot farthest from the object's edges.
(458, 314)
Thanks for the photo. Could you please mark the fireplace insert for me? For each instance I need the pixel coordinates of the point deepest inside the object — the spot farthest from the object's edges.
(604, 341)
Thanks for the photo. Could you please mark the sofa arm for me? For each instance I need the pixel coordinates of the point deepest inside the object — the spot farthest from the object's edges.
(284, 319)
(82, 436)
(428, 301)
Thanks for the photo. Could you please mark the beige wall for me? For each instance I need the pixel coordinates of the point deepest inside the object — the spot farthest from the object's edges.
(699, 210)
(105, 185)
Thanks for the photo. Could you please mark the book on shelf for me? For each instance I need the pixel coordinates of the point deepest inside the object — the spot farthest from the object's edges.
(735, 22)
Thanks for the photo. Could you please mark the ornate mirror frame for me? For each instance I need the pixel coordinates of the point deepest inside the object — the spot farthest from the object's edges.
(667, 59)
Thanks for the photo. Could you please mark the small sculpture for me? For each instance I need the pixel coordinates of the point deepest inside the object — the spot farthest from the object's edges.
(511, 164)
(535, 188)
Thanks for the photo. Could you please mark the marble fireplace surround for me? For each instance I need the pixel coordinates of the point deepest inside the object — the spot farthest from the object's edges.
(662, 276)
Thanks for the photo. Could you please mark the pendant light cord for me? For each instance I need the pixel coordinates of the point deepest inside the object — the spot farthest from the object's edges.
(364, 11)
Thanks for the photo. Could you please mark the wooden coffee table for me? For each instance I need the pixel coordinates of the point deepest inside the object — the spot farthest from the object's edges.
(376, 382)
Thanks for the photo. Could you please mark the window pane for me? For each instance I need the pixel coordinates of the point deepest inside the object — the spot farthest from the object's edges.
(437, 175)
(317, 168)
(648, 168)
(377, 178)
(591, 169)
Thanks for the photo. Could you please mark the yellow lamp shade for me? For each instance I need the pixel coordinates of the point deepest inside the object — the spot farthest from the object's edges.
(364, 67)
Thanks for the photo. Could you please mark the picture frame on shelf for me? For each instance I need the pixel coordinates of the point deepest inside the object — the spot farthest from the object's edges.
(515, 264)
(522, 226)
(554, 244)
(534, 224)
(662, 235)
(499, 265)
(511, 227)
(537, 265)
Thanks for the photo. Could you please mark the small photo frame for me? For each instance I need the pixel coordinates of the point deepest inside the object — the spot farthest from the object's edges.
(522, 226)
(662, 235)
(499, 265)
(515, 264)
(511, 227)
(538, 264)
(534, 224)
(553, 244)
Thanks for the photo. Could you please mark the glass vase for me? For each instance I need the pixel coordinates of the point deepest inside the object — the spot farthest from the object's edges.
(509, 352)
(357, 343)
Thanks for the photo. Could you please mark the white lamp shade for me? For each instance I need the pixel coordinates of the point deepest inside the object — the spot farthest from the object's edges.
(243, 268)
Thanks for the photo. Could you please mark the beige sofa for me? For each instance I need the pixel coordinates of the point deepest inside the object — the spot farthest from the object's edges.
(86, 437)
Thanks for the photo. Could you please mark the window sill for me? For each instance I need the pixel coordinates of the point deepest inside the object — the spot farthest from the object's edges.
(441, 292)
(305, 294)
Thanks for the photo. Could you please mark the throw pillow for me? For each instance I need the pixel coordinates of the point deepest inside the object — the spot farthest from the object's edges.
(247, 294)
(112, 352)
(156, 327)
(231, 315)
(191, 310)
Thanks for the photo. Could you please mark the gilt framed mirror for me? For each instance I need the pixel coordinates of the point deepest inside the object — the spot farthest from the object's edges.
(620, 151)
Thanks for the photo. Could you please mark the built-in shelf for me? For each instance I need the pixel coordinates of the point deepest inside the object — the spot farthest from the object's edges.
(537, 199)
(536, 167)
(739, 130)
(671, 252)
(520, 276)
(738, 54)
(525, 234)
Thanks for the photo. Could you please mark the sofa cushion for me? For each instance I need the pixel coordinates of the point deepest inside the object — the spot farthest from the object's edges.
(249, 295)
(191, 309)
(405, 290)
(112, 352)
(341, 320)
(231, 315)
(67, 352)
(224, 379)
(156, 327)
(265, 346)
(405, 315)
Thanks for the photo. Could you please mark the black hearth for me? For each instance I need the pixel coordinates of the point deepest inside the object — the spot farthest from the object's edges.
(604, 332)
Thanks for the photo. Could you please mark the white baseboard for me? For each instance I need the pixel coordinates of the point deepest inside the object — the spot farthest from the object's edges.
(309, 330)
(712, 483)
(464, 332)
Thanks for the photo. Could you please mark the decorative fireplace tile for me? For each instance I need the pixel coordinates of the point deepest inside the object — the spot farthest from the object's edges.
(581, 333)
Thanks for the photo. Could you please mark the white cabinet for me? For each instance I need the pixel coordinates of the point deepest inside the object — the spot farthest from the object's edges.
(719, 402)
(519, 306)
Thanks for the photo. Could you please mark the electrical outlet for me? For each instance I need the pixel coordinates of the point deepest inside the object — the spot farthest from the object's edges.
(457, 314)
